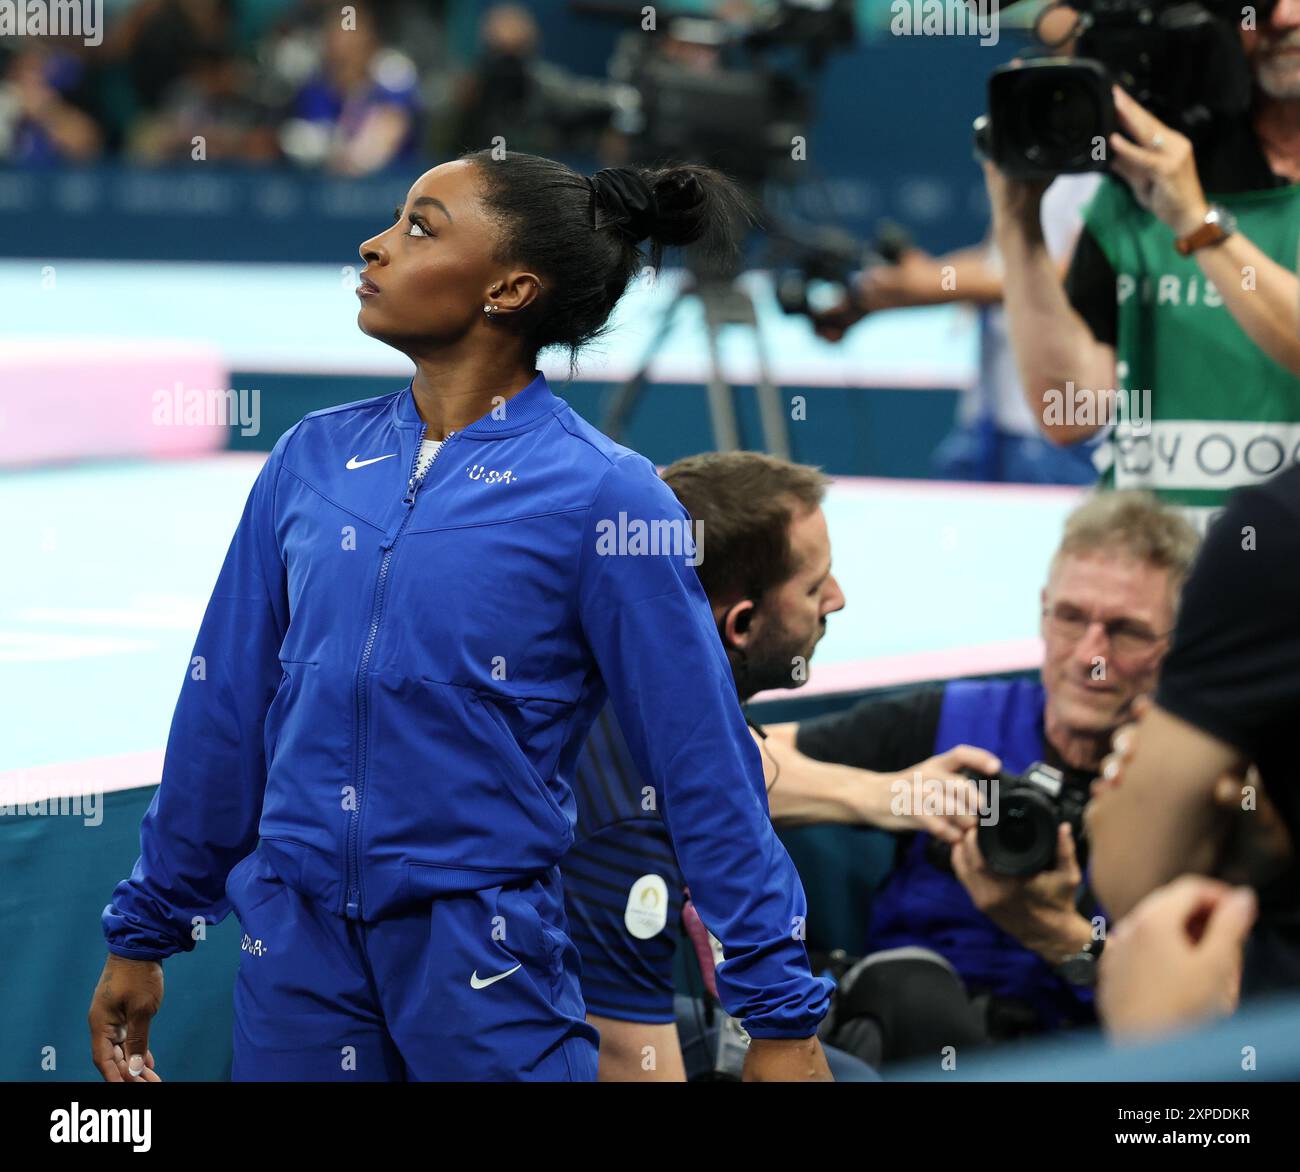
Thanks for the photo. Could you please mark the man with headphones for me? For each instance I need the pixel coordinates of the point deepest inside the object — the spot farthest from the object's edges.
(768, 576)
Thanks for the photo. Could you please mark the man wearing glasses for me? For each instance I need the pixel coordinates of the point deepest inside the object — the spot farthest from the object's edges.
(1024, 950)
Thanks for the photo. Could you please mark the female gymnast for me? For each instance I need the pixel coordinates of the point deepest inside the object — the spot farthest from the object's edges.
(428, 598)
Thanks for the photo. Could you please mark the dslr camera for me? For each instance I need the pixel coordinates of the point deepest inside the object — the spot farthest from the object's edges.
(1180, 59)
(1022, 841)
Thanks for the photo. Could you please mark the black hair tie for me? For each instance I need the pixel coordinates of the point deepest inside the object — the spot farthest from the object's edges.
(622, 199)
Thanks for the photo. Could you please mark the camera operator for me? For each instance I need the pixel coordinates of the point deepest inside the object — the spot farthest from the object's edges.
(766, 571)
(1189, 296)
(1229, 696)
(1015, 955)
(996, 437)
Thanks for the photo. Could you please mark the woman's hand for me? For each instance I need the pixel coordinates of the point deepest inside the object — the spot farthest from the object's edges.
(128, 995)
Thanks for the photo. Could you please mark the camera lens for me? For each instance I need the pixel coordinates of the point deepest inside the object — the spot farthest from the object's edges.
(1058, 122)
(1018, 833)
(1047, 116)
(1022, 841)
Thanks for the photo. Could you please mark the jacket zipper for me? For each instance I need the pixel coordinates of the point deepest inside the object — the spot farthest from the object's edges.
(353, 909)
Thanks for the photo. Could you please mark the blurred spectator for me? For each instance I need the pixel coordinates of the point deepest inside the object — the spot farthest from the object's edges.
(311, 81)
(996, 436)
(158, 41)
(359, 113)
(215, 104)
(45, 108)
(538, 107)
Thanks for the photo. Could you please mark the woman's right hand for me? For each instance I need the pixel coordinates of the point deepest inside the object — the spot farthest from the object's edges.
(128, 995)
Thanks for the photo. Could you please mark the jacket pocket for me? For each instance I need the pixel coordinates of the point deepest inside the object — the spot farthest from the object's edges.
(245, 889)
(534, 940)
(512, 754)
(235, 870)
(291, 673)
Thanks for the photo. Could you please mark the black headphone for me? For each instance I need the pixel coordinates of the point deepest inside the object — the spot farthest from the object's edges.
(742, 625)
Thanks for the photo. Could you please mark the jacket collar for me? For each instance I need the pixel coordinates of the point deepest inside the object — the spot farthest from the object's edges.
(518, 413)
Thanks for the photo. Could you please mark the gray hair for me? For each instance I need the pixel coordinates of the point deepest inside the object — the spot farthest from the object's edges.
(1132, 522)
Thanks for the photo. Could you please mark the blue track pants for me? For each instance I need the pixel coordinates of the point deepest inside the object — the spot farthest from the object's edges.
(479, 985)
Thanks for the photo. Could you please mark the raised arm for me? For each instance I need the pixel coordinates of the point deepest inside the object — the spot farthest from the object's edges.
(1262, 295)
(1052, 343)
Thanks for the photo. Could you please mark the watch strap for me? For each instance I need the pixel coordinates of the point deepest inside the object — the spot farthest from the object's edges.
(1218, 226)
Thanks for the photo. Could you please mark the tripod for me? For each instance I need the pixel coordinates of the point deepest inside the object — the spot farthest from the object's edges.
(725, 303)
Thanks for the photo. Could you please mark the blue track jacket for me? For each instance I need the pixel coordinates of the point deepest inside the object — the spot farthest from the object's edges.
(393, 680)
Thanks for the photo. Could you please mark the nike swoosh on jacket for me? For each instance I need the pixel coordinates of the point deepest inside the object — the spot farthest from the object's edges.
(397, 679)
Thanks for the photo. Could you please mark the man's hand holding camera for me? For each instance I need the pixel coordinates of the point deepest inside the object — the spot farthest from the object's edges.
(1158, 164)
(1039, 911)
(1155, 160)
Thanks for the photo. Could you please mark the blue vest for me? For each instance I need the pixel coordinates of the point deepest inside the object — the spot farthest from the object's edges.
(923, 906)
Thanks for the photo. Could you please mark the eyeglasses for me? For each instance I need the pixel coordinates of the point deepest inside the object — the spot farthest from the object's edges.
(1127, 639)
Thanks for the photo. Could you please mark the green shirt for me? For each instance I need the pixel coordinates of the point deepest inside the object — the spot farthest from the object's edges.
(1207, 411)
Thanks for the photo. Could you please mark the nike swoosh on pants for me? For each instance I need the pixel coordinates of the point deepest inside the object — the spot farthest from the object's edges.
(477, 982)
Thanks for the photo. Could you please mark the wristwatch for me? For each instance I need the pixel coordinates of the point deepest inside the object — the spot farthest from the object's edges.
(1081, 968)
(1218, 226)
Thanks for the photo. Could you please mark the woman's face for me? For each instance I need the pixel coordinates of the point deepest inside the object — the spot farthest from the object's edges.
(428, 277)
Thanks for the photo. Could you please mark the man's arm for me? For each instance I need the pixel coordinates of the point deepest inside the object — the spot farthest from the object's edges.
(638, 1051)
(920, 279)
(1162, 822)
(1165, 181)
(802, 791)
(1052, 342)
(1263, 296)
(627, 979)
(1040, 911)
